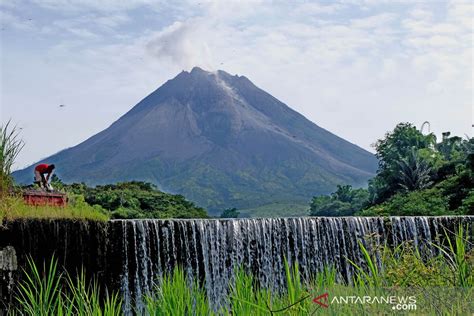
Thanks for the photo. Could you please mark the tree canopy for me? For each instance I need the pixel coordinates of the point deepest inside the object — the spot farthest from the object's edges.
(136, 200)
(416, 176)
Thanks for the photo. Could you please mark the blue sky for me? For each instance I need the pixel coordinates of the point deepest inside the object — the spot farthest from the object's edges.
(356, 68)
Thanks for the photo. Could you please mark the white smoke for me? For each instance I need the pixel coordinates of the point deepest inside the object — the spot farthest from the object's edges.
(183, 44)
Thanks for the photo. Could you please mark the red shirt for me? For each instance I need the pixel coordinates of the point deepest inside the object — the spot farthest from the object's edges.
(42, 168)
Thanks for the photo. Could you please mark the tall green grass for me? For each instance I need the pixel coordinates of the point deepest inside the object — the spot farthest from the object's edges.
(459, 260)
(174, 295)
(246, 297)
(404, 265)
(10, 146)
(48, 292)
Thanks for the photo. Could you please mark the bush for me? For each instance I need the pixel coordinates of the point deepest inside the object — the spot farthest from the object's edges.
(345, 201)
(416, 203)
(138, 200)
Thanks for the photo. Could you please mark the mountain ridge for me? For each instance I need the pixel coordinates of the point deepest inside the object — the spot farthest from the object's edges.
(219, 140)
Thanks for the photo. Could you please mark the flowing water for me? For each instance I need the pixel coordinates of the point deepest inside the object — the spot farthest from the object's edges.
(211, 249)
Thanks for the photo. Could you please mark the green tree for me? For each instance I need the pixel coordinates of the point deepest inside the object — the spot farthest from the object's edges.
(467, 206)
(414, 173)
(391, 151)
(57, 183)
(137, 199)
(345, 201)
(451, 148)
(416, 176)
(230, 213)
(416, 203)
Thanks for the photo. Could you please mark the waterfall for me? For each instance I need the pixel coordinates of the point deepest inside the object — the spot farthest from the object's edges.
(130, 255)
(210, 250)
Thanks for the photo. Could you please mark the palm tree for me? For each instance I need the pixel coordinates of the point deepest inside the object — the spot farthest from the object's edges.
(414, 172)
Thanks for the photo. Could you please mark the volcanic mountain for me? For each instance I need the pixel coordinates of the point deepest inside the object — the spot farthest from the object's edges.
(220, 141)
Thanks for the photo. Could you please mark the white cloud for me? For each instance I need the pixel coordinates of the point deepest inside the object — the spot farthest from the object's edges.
(374, 21)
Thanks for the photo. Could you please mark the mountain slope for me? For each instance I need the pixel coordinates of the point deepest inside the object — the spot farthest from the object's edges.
(220, 141)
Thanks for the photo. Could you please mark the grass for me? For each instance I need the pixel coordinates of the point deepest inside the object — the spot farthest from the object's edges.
(10, 146)
(47, 292)
(407, 280)
(12, 207)
(175, 295)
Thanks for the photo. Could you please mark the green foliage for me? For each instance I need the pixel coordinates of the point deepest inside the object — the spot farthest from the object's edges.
(459, 260)
(393, 150)
(344, 202)
(405, 266)
(456, 189)
(40, 294)
(414, 172)
(416, 203)
(10, 146)
(416, 176)
(399, 143)
(138, 200)
(467, 206)
(174, 295)
(230, 213)
(372, 277)
(245, 298)
(57, 183)
(48, 292)
(451, 148)
(453, 196)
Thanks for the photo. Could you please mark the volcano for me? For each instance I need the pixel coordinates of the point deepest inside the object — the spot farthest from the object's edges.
(220, 141)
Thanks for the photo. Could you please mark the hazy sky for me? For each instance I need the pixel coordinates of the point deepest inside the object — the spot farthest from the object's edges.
(356, 68)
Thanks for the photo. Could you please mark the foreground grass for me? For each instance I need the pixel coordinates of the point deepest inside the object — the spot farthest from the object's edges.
(12, 207)
(404, 281)
(47, 292)
(368, 295)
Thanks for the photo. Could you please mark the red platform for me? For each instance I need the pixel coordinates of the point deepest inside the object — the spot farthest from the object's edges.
(37, 198)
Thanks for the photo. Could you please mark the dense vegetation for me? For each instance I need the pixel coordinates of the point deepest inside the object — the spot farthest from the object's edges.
(440, 284)
(135, 200)
(416, 176)
(230, 213)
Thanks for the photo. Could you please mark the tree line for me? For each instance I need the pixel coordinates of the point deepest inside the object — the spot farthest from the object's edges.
(417, 175)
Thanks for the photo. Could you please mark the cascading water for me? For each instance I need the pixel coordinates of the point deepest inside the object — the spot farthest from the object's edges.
(130, 255)
(211, 249)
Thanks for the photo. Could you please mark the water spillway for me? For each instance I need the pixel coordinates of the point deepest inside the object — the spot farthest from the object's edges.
(129, 255)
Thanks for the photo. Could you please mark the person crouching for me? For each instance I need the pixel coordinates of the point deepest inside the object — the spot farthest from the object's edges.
(43, 173)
